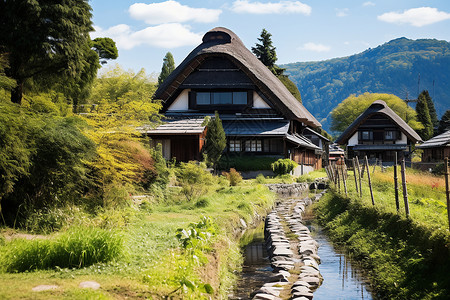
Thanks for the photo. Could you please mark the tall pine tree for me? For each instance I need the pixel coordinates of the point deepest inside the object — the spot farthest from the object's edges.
(265, 52)
(431, 108)
(167, 68)
(444, 123)
(423, 115)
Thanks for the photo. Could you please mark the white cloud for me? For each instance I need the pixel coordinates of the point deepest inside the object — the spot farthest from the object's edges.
(368, 3)
(342, 12)
(281, 7)
(417, 17)
(163, 36)
(315, 47)
(172, 12)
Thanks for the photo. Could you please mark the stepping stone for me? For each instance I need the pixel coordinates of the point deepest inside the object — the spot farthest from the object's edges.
(301, 289)
(299, 298)
(283, 252)
(269, 290)
(265, 297)
(89, 285)
(44, 287)
(301, 283)
(305, 295)
(314, 281)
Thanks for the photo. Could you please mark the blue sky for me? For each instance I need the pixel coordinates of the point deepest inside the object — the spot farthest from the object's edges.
(304, 30)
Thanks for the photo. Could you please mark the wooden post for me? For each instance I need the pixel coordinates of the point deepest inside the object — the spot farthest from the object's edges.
(344, 179)
(359, 176)
(354, 175)
(370, 182)
(405, 191)
(447, 191)
(332, 174)
(338, 179)
(397, 202)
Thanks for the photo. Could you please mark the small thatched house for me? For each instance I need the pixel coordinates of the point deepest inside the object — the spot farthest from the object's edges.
(259, 115)
(436, 148)
(378, 133)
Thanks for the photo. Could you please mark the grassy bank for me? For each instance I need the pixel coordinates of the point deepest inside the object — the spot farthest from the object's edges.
(406, 258)
(150, 260)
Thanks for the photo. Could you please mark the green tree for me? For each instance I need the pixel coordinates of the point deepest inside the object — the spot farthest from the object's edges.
(266, 53)
(48, 45)
(215, 140)
(167, 68)
(290, 86)
(6, 83)
(444, 123)
(423, 115)
(349, 109)
(106, 49)
(431, 108)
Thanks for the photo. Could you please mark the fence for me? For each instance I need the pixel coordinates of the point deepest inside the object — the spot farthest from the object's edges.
(338, 174)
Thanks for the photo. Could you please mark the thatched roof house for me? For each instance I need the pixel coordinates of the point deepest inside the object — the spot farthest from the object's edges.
(259, 114)
(378, 133)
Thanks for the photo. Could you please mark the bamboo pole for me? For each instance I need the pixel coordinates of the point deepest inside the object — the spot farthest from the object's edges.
(344, 179)
(405, 191)
(354, 175)
(359, 176)
(397, 202)
(338, 179)
(370, 182)
(447, 191)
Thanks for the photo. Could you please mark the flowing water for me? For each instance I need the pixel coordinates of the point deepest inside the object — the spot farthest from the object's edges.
(342, 277)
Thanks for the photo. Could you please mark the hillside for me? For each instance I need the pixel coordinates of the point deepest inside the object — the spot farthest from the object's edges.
(393, 67)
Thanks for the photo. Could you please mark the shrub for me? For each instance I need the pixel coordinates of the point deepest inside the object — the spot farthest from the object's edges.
(193, 180)
(283, 166)
(78, 247)
(233, 177)
(202, 202)
(260, 179)
(246, 163)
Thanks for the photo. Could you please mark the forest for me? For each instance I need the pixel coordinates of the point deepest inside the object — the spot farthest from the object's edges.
(401, 67)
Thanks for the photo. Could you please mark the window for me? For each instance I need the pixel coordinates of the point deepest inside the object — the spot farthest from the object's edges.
(253, 146)
(221, 98)
(203, 98)
(389, 135)
(366, 135)
(235, 146)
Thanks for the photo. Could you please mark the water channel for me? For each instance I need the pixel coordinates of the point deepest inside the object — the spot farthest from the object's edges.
(342, 277)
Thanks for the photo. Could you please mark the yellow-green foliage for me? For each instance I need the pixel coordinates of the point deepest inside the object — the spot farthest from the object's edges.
(349, 109)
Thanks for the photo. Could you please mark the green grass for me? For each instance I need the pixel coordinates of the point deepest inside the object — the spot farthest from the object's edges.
(153, 264)
(406, 258)
(78, 247)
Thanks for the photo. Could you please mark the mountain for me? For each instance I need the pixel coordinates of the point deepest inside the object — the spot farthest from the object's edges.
(402, 67)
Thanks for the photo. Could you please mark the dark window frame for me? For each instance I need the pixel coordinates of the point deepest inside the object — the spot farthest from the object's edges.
(225, 106)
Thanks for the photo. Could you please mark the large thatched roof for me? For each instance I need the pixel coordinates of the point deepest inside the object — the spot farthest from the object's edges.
(378, 107)
(223, 42)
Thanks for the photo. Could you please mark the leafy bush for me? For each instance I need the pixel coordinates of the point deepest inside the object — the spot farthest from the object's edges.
(193, 180)
(233, 177)
(78, 247)
(283, 166)
(202, 202)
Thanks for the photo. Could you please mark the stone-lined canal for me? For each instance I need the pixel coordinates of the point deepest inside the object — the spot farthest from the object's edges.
(341, 278)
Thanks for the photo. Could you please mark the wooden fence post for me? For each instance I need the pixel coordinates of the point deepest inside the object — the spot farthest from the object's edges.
(338, 179)
(405, 191)
(359, 175)
(354, 175)
(397, 203)
(447, 191)
(344, 179)
(370, 182)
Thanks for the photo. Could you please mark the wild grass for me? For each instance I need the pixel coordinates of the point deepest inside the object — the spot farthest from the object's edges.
(406, 257)
(76, 248)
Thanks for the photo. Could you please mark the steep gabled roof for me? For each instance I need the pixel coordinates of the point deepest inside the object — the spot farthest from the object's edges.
(379, 107)
(223, 42)
(438, 141)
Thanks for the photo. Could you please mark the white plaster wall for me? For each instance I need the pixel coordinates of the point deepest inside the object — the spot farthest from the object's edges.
(403, 140)
(353, 140)
(298, 170)
(258, 102)
(182, 101)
